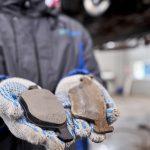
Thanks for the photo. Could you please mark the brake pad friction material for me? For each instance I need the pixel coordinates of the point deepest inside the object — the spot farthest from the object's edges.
(41, 107)
(88, 103)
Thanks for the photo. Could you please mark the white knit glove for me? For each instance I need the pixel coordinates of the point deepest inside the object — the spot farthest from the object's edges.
(12, 114)
(81, 127)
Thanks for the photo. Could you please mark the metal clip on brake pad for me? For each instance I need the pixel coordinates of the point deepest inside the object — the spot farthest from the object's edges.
(88, 104)
(42, 108)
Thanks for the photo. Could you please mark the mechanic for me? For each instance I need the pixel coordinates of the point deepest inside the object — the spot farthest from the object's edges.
(40, 44)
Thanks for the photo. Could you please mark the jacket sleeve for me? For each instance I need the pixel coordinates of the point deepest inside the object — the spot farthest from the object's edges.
(89, 58)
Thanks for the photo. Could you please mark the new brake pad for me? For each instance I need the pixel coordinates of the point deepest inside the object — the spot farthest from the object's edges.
(88, 103)
(42, 108)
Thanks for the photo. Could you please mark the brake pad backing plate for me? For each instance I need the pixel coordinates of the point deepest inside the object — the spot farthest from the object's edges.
(88, 103)
(41, 107)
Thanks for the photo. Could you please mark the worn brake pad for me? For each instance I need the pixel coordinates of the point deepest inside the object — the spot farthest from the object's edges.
(42, 108)
(88, 103)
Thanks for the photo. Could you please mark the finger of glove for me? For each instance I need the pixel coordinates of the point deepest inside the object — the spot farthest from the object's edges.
(70, 124)
(97, 138)
(52, 141)
(112, 115)
(47, 138)
(33, 134)
(112, 111)
(81, 128)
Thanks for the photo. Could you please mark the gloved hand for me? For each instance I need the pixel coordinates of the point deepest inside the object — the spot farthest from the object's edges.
(12, 114)
(82, 128)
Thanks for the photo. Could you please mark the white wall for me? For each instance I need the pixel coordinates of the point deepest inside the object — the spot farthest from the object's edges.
(112, 61)
(120, 62)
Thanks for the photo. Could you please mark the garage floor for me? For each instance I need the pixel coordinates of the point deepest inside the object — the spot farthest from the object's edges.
(132, 130)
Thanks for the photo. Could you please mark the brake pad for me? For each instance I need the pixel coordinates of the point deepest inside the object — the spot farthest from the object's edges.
(41, 107)
(88, 103)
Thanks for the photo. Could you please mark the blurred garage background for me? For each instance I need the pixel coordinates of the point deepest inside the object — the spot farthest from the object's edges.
(121, 33)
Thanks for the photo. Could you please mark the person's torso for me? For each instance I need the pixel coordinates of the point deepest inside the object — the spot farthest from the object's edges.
(42, 50)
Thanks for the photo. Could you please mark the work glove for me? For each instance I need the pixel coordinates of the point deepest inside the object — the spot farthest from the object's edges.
(12, 113)
(82, 127)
